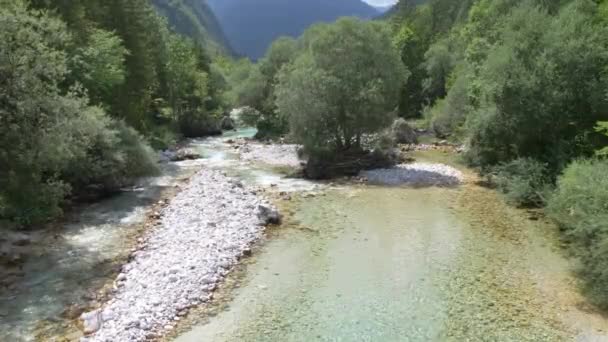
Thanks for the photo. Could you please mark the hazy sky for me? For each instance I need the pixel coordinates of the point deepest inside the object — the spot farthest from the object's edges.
(380, 2)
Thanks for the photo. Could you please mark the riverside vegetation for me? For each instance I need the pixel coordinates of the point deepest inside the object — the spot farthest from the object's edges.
(88, 86)
(523, 84)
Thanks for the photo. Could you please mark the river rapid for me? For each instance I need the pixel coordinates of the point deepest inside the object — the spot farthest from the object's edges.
(351, 262)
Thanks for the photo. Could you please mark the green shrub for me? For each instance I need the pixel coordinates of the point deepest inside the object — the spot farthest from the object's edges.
(524, 181)
(580, 207)
(538, 96)
(52, 142)
(602, 128)
(448, 115)
(163, 137)
(116, 156)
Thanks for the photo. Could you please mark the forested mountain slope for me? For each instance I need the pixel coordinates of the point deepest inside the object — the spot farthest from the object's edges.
(252, 25)
(195, 19)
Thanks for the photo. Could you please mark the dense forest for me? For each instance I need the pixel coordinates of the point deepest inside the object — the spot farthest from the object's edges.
(523, 85)
(86, 88)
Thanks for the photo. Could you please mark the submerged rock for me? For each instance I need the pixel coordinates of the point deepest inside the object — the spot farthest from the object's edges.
(179, 155)
(186, 154)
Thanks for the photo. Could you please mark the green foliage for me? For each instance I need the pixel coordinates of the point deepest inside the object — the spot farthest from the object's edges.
(412, 49)
(127, 58)
(602, 127)
(411, 39)
(342, 85)
(538, 96)
(46, 133)
(254, 86)
(524, 182)
(246, 85)
(281, 51)
(116, 154)
(447, 116)
(580, 206)
(440, 60)
(99, 65)
(187, 88)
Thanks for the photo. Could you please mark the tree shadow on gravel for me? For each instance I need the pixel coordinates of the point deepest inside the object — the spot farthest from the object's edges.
(411, 177)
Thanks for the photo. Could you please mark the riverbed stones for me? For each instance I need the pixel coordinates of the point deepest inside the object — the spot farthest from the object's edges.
(202, 234)
(274, 154)
(91, 321)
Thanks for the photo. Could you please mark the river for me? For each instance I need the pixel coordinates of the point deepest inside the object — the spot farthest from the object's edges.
(351, 263)
(399, 264)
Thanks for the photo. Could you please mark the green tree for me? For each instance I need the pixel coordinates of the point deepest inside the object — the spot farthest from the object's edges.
(411, 47)
(46, 132)
(99, 65)
(345, 84)
(580, 207)
(539, 96)
(247, 85)
(33, 114)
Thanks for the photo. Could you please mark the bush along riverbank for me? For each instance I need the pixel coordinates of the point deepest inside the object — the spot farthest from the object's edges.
(200, 236)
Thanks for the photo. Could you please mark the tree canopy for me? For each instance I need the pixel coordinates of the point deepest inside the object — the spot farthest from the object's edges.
(76, 78)
(343, 84)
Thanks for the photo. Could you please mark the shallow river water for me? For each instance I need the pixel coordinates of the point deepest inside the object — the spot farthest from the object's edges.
(351, 263)
(369, 263)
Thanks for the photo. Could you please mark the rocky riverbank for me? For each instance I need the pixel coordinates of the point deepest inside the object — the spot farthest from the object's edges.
(199, 237)
(269, 154)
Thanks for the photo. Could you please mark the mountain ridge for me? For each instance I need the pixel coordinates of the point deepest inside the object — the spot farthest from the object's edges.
(195, 19)
(252, 26)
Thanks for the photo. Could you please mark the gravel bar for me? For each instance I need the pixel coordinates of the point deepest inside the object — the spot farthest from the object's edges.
(200, 236)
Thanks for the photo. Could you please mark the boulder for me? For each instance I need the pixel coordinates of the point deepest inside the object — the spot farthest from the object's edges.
(403, 133)
(186, 154)
(227, 123)
(268, 215)
(167, 156)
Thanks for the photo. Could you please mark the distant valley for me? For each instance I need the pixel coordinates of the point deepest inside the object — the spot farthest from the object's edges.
(251, 26)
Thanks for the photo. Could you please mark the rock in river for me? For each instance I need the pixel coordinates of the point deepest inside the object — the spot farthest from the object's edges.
(268, 215)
